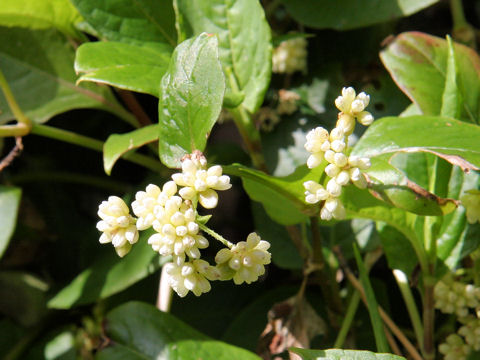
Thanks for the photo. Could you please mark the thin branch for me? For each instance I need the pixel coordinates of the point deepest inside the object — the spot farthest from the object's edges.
(17, 149)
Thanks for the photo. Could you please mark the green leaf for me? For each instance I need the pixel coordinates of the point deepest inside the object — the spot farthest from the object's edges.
(435, 135)
(126, 66)
(118, 144)
(38, 66)
(22, 297)
(192, 95)
(140, 331)
(132, 21)
(282, 197)
(41, 14)
(350, 14)
(9, 202)
(109, 275)
(419, 65)
(376, 320)
(451, 99)
(244, 42)
(335, 354)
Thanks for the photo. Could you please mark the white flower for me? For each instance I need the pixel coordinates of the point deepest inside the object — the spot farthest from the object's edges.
(191, 276)
(317, 143)
(199, 181)
(454, 348)
(290, 56)
(333, 208)
(314, 192)
(117, 225)
(471, 331)
(247, 259)
(146, 202)
(471, 202)
(455, 297)
(177, 230)
(352, 106)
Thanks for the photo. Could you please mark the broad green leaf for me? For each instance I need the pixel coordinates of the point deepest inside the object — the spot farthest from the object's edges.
(118, 144)
(244, 43)
(38, 66)
(41, 14)
(140, 331)
(376, 320)
(351, 14)
(9, 203)
(336, 354)
(436, 135)
(282, 197)
(22, 297)
(126, 66)
(109, 275)
(419, 62)
(451, 98)
(132, 21)
(191, 98)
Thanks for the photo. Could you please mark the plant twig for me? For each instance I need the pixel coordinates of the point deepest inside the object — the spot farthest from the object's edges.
(17, 149)
(134, 106)
(165, 293)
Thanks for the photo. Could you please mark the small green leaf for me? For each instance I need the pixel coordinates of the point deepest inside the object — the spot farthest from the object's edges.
(282, 197)
(419, 65)
(43, 82)
(350, 14)
(140, 331)
(41, 14)
(118, 144)
(335, 354)
(109, 275)
(132, 21)
(192, 95)
(126, 66)
(9, 202)
(244, 41)
(451, 99)
(430, 134)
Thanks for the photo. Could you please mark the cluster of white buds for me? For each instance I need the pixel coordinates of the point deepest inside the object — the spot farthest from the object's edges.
(172, 212)
(471, 331)
(471, 202)
(333, 148)
(200, 183)
(117, 225)
(244, 261)
(290, 56)
(456, 297)
(454, 348)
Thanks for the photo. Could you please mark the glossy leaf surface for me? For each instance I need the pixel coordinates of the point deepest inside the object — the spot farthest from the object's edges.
(141, 331)
(133, 21)
(244, 41)
(9, 204)
(43, 82)
(192, 95)
(336, 354)
(351, 14)
(118, 144)
(419, 62)
(126, 66)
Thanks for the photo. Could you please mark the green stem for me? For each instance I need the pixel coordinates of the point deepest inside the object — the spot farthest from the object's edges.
(428, 317)
(215, 235)
(407, 295)
(347, 320)
(12, 103)
(246, 127)
(18, 129)
(458, 16)
(328, 284)
(93, 144)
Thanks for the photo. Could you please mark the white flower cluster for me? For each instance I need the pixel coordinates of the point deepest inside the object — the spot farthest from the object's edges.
(172, 212)
(456, 297)
(117, 225)
(471, 202)
(290, 56)
(454, 348)
(333, 147)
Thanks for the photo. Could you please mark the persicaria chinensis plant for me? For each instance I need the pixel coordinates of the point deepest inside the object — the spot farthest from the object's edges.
(281, 179)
